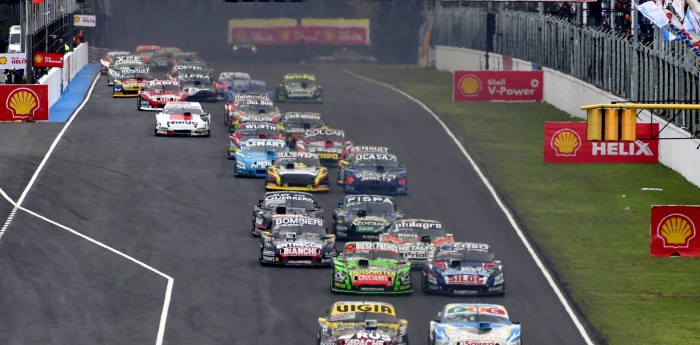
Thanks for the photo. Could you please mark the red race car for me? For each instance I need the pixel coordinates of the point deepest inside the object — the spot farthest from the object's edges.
(158, 92)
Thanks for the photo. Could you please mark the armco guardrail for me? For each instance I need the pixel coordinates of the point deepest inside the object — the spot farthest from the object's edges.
(58, 78)
(569, 94)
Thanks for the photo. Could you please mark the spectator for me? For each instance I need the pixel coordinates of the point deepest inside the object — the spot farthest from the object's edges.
(8, 78)
(229, 94)
(79, 38)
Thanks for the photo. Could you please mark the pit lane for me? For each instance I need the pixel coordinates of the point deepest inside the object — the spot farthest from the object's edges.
(174, 204)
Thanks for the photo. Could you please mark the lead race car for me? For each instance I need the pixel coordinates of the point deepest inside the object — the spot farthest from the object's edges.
(156, 93)
(463, 268)
(297, 240)
(301, 203)
(182, 119)
(417, 239)
(256, 155)
(364, 217)
(300, 171)
(362, 323)
(472, 323)
(107, 61)
(328, 143)
(299, 88)
(371, 267)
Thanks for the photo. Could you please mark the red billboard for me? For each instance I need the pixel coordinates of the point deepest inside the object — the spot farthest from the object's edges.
(24, 102)
(565, 142)
(504, 86)
(42, 59)
(673, 231)
(307, 31)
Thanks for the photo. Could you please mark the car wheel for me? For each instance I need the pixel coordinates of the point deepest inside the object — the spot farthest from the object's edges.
(138, 104)
(208, 134)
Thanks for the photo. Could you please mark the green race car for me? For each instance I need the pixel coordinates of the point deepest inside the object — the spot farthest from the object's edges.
(371, 268)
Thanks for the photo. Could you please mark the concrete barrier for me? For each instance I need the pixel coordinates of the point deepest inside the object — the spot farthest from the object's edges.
(568, 94)
(58, 79)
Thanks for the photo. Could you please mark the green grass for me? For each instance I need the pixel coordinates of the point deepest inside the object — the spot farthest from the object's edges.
(590, 221)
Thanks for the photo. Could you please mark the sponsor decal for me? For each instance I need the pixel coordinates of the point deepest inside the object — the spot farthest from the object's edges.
(42, 59)
(273, 143)
(466, 246)
(491, 310)
(359, 246)
(298, 221)
(25, 103)
(288, 196)
(466, 280)
(373, 156)
(260, 165)
(315, 132)
(565, 142)
(417, 224)
(365, 338)
(510, 86)
(254, 118)
(366, 175)
(295, 251)
(13, 60)
(372, 278)
(373, 149)
(674, 231)
(84, 20)
(364, 307)
(303, 116)
(296, 155)
(257, 126)
(328, 155)
(361, 199)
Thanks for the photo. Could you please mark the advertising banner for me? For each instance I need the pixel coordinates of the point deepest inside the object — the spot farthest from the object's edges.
(673, 231)
(335, 31)
(24, 102)
(13, 60)
(84, 20)
(504, 86)
(310, 31)
(273, 31)
(565, 142)
(42, 59)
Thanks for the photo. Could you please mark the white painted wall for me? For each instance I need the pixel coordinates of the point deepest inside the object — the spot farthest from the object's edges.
(58, 78)
(569, 94)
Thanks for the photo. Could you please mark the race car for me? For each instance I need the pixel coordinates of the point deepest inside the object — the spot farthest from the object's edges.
(251, 130)
(157, 93)
(123, 63)
(186, 69)
(256, 155)
(109, 59)
(371, 267)
(146, 52)
(362, 322)
(364, 217)
(350, 150)
(417, 238)
(301, 203)
(297, 171)
(463, 268)
(130, 82)
(250, 87)
(474, 323)
(251, 110)
(230, 108)
(373, 173)
(297, 240)
(328, 143)
(182, 119)
(244, 47)
(225, 80)
(198, 87)
(184, 57)
(296, 123)
(162, 57)
(299, 88)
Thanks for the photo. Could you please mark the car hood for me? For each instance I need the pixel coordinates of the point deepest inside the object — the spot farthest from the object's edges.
(469, 331)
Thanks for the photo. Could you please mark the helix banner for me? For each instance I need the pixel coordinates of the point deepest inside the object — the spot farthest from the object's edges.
(503, 86)
(565, 142)
(673, 231)
(24, 102)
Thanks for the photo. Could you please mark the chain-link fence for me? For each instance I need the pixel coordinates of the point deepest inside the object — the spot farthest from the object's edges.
(654, 72)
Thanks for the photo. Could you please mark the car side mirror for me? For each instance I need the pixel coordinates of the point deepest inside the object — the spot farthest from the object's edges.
(340, 205)
(260, 203)
(437, 319)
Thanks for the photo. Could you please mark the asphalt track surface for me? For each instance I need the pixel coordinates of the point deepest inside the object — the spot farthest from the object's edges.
(174, 204)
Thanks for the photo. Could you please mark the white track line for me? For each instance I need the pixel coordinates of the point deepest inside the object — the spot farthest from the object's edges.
(500, 203)
(18, 206)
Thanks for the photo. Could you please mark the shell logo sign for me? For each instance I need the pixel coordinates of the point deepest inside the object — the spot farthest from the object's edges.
(673, 231)
(24, 103)
(565, 142)
(3, 60)
(38, 59)
(469, 85)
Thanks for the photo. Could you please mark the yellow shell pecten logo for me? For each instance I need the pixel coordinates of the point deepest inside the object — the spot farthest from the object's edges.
(329, 34)
(565, 142)
(76, 19)
(38, 59)
(676, 230)
(22, 103)
(286, 35)
(3, 60)
(469, 85)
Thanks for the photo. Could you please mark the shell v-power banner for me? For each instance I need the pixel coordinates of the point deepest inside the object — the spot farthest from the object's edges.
(500, 86)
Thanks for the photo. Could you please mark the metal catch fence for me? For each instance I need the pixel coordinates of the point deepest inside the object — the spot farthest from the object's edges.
(659, 71)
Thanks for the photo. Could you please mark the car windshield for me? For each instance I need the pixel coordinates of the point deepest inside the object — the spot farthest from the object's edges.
(473, 317)
(265, 148)
(305, 229)
(300, 122)
(304, 84)
(249, 88)
(195, 81)
(182, 110)
(131, 74)
(372, 255)
(325, 137)
(418, 232)
(465, 255)
(361, 316)
(303, 203)
(255, 131)
(298, 162)
(370, 160)
(163, 87)
(255, 109)
(372, 208)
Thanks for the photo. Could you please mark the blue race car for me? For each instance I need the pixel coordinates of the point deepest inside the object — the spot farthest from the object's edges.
(256, 155)
(372, 172)
(471, 323)
(463, 268)
(251, 87)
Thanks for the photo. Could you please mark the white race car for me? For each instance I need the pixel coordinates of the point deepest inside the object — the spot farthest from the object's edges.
(183, 119)
(474, 323)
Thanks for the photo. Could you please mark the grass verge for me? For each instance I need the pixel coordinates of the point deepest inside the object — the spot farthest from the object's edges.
(590, 221)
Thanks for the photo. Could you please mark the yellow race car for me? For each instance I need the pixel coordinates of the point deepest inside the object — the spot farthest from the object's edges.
(299, 171)
(131, 81)
(351, 322)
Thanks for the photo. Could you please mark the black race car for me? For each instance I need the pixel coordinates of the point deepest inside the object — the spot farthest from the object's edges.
(299, 88)
(373, 173)
(199, 87)
(296, 123)
(364, 217)
(297, 240)
(283, 203)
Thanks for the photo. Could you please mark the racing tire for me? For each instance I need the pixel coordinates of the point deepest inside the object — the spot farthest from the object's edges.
(138, 104)
(208, 134)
